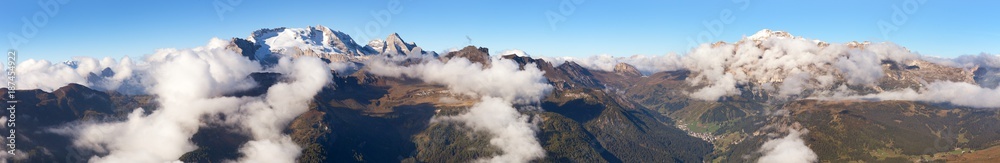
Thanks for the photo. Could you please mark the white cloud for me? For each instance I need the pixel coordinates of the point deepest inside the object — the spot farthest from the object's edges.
(188, 84)
(48, 76)
(42, 74)
(649, 64)
(277, 150)
(726, 85)
(957, 93)
(500, 86)
(776, 59)
(860, 68)
(602, 62)
(267, 117)
(512, 132)
(503, 79)
(794, 84)
(788, 149)
(891, 51)
(343, 68)
(967, 61)
(191, 83)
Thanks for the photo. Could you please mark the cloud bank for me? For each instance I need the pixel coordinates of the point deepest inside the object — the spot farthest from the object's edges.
(500, 86)
(90, 72)
(268, 116)
(513, 132)
(956, 93)
(190, 84)
(968, 61)
(788, 149)
(503, 79)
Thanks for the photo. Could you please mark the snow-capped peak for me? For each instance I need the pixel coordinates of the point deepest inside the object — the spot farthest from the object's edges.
(767, 33)
(394, 45)
(318, 41)
(322, 42)
(377, 44)
(394, 37)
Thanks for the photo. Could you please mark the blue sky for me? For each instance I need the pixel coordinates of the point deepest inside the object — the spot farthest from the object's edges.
(118, 28)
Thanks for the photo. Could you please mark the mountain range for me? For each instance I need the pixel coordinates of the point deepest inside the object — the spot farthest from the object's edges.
(769, 97)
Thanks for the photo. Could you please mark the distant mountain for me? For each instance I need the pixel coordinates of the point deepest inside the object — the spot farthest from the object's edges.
(394, 45)
(769, 61)
(627, 69)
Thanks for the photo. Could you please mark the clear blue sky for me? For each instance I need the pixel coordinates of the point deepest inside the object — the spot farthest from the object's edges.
(117, 28)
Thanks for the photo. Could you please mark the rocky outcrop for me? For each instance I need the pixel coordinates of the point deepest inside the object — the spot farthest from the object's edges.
(243, 47)
(476, 55)
(627, 70)
(578, 76)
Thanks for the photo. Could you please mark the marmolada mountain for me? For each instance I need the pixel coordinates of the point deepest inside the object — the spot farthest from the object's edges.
(316, 95)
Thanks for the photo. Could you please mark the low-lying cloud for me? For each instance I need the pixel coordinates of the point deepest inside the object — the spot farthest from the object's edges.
(192, 83)
(788, 149)
(48, 76)
(500, 87)
(512, 132)
(968, 61)
(188, 84)
(502, 79)
(957, 93)
(268, 116)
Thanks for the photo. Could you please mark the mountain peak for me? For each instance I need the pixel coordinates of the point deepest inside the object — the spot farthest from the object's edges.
(394, 38)
(394, 35)
(322, 28)
(627, 69)
(394, 45)
(768, 33)
(472, 53)
(319, 41)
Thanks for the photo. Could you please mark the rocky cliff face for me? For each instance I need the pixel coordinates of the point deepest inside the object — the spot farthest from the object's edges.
(244, 47)
(577, 76)
(627, 70)
(916, 73)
